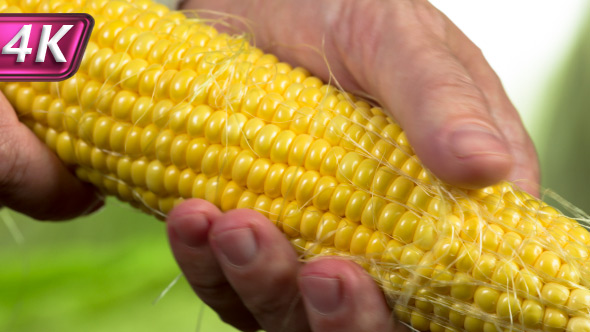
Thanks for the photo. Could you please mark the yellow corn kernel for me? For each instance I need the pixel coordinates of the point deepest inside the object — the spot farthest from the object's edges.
(486, 298)
(473, 324)
(405, 228)
(548, 263)
(555, 320)
(580, 324)
(579, 300)
(508, 306)
(463, 287)
(327, 227)
(555, 293)
(419, 321)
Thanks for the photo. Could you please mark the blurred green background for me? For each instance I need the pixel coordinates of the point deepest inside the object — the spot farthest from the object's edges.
(105, 272)
(98, 273)
(564, 137)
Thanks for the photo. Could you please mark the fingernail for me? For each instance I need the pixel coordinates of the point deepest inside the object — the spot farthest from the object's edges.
(192, 229)
(324, 294)
(238, 245)
(472, 140)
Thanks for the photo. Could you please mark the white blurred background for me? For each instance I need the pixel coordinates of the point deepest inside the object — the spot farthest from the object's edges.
(525, 41)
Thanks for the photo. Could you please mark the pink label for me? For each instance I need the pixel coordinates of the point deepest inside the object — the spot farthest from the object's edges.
(42, 47)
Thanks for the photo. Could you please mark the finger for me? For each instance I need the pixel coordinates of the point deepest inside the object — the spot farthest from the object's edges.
(340, 296)
(525, 171)
(262, 266)
(188, 230)
(433, 96)
(33, 180)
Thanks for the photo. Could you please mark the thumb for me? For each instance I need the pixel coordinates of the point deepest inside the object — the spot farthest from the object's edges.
(447, 121)
(449, 117)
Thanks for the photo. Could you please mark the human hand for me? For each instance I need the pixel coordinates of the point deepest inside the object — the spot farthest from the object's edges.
(419, 66)
(33, 180)
(242, 266)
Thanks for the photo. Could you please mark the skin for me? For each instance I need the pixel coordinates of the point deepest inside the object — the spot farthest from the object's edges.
(404, 53)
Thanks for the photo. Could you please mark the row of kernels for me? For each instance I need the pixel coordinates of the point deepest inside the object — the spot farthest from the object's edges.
(274, 108)
(160, 51)
(303, 121)
(25, 5)
(309, 222)
(99, 97)
(372, 211)
(287, 147)
(382, 150)
(506, 274)
(145, 175)
(145, 199)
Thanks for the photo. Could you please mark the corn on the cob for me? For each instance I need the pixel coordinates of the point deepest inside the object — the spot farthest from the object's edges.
(165, 108)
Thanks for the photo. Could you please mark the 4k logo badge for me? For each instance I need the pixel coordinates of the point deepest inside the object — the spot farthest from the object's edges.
(42, 47)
